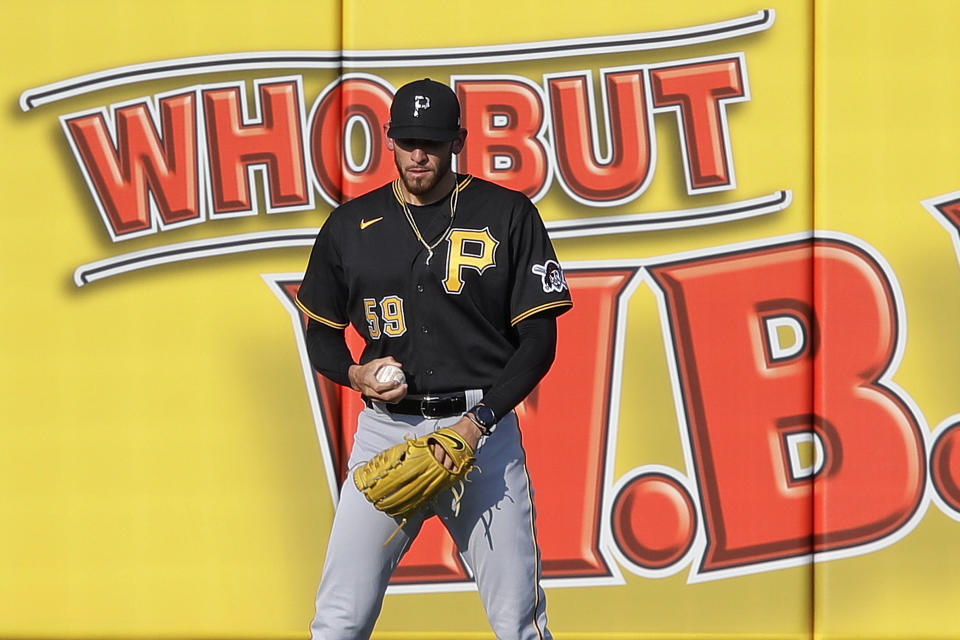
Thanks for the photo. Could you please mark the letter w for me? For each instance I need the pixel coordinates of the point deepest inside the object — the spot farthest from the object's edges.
(140, 176)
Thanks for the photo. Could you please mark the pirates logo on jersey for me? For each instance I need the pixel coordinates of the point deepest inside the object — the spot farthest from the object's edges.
(468, 249)
(552, 276)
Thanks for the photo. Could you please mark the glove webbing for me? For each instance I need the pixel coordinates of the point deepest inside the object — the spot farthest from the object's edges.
(457, 490)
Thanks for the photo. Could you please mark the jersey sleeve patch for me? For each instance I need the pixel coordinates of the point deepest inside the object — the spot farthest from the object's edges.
(551, 275)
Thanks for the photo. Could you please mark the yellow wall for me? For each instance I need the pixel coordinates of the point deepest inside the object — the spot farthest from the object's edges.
(160, 473)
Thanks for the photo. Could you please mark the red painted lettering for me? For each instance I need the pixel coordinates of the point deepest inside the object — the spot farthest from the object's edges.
(738, 401)
(625, 171)
(355, 101)
(274, 140)
(945, 466)
(699, 91)
(504, 119)
(950, 210)
(147, 177)
(749, 387)
(874, 443)
(653, 520)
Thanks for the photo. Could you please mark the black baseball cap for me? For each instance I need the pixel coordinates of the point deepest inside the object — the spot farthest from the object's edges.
(425, 110)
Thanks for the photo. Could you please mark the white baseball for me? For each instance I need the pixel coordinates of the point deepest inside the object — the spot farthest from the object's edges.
(390, 372)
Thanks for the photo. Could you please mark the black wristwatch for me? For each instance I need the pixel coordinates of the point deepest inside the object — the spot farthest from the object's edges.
(484, 417)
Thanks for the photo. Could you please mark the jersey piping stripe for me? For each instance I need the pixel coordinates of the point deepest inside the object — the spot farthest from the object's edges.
(320, 319)
(543, 307)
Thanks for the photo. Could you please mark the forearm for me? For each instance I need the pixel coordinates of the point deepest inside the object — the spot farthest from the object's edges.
(529, 363)
(327, 349)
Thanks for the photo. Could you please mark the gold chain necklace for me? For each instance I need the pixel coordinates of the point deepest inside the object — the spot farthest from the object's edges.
(454, 196)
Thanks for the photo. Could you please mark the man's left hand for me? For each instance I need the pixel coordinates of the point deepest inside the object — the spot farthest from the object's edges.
(468, 431)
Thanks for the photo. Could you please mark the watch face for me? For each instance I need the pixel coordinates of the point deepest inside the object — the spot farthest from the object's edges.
(485, 415)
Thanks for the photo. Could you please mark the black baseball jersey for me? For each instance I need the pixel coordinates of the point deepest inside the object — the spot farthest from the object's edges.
(446, 313)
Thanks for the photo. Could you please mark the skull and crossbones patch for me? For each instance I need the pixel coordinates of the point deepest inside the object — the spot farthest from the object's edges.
(552, 276)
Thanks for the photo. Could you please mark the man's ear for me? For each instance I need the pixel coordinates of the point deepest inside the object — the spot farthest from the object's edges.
(458, 141)
(387, 138)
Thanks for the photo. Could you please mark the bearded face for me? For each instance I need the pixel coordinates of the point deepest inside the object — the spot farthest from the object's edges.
(422, 164)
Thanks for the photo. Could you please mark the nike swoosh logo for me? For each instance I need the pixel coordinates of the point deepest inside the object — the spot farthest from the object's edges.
(366, 223)
(455, 444)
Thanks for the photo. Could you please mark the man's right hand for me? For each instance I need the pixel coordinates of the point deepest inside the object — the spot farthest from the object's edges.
(363, 378)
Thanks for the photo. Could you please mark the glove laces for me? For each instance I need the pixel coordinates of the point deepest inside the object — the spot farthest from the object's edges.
(457, 490)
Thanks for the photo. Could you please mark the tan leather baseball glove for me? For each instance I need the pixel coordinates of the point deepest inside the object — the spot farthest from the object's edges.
(402, 479)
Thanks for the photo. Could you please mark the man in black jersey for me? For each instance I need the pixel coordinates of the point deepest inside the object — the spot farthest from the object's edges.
(453, 279)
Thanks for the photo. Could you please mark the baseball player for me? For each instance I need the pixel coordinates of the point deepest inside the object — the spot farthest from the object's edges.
(454, 280)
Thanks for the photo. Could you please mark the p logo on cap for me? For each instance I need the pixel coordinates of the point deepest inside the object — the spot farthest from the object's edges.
(420, 102)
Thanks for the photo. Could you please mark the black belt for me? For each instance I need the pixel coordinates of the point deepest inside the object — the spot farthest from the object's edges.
(440, 405)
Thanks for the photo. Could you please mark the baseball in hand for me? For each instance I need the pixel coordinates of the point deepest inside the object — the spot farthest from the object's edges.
(389, 372)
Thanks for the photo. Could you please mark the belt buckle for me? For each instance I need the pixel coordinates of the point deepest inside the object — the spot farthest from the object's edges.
(424, 405)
